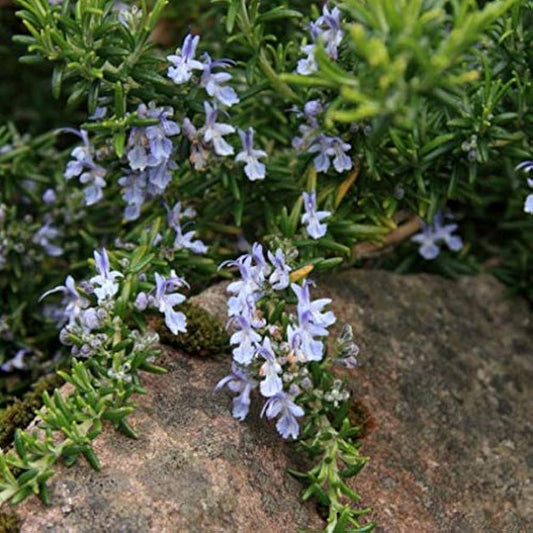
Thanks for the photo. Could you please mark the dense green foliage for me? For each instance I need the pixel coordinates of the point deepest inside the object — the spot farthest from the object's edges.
(433, 97)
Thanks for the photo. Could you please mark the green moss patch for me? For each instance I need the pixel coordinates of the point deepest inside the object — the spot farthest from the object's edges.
(22, 411)
(9, 522)
(205, 334)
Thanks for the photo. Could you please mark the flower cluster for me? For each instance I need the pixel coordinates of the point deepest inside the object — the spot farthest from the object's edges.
(329, 150)
(527, 166)
(149, 154)
(433, 234)
(88, 311)
(273, 356)
(327, 30)
(211, 136)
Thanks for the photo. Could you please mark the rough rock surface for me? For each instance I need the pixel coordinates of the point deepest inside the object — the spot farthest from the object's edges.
(446, 373)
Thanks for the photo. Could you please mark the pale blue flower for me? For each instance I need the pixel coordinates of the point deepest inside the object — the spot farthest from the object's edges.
(183, 62)
(311, 311)
(312, 218)
(158, 135)
(43, 237)
(270, 370)
(245, 339)
(253, 169)
(84, 167)
(341, 162)
(444, 233)
(261, 268)
(432, 235)
(282, 404)
(527, 166)
(245, 290)
(17, 362)
(213, 82)
(426, 238)
(328, 147)
(141, 301)
(307, 136)
(326, 28)
(73, 303)
(279, 279)
(239, 381)
(49, 197)
(307, 65)
(214, 131)
(322, 145)
(184, 240)
(165, 300)
(134, 193)
(528, 204)
(105, 284)
(150, 146)
(331, 30)
(312, 322)
(312, 108)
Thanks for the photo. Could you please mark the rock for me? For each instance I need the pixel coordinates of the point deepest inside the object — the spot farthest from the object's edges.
(193, 469)
(445, 368)
(446, 372)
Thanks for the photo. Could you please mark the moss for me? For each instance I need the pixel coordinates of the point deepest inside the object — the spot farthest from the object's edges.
(9, 522)
(22, 411)
(205, 334)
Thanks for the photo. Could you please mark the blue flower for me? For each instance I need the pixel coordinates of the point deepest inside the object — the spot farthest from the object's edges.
(17, 362)
(245, 339)
(326, 28)
(165, 300)
(185, 240)
(72, 301)
(84, 167)
(105, 283)
(279, 279)
(282, 404)
(214, 131)
(44, 235)
(134, 193)
(426, 238)
(327, 147)
(253, 169)
(213, 82)
(435, 233)
(312, 218)
(307, 65)
(331, 30)
(311, 311)
(239, 381)
(183, 61)
(158, 135)
(150, 146)
(246, 290)
(312, 322)
(49, 197)
(270, 370)
(527, 166)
